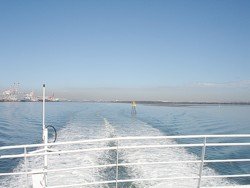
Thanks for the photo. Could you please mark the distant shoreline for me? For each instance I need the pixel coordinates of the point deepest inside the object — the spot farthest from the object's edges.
(161, 103)
(158, 103)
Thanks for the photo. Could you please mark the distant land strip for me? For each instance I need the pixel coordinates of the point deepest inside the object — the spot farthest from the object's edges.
(158, 103)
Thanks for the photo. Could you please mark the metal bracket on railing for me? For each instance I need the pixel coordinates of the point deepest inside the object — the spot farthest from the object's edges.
(38, 179)
(50, 126)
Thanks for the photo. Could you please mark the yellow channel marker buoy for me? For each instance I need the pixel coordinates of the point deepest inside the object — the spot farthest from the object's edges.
(133, 111)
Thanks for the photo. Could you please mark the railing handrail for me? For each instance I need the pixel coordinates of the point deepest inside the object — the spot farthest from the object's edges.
(127, 138)
(202, 143)
(121, 147)
(123, 164)
(147, 179)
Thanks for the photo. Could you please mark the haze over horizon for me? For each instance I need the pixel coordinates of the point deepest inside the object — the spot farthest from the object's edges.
(128, 50)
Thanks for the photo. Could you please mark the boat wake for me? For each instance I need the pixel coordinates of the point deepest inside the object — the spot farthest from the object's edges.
(99, 127)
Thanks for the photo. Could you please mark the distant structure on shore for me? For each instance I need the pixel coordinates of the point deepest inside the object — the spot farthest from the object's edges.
(133, 110)
(30, 97)
(13, 94)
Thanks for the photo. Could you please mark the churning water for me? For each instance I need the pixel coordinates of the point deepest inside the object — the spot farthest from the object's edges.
(20, 123)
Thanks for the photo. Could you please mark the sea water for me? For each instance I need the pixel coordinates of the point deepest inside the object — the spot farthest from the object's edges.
(20, 123)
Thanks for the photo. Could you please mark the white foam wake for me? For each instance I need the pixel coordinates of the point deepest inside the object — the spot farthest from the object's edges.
(75, 130)
(79, 129)
(137, 128)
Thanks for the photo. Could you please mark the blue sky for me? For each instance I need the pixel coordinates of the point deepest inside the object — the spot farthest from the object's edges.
(126, 49)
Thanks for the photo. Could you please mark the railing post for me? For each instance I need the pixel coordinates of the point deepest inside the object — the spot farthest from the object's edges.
(203, 153)
(45, 140)
(26, 168)
(117, 167)
(45, 168)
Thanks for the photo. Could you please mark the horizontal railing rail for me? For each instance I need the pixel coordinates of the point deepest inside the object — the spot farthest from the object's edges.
(202, 143)
(126, 138)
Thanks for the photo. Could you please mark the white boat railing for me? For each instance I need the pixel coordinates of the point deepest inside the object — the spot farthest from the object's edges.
(203, 142)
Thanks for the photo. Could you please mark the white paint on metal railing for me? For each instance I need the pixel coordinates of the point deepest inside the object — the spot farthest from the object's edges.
(200, 176)
(203, 153)
(127, 138)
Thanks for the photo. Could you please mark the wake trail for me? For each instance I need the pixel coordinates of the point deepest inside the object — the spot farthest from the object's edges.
(82, 128)
(134, 127)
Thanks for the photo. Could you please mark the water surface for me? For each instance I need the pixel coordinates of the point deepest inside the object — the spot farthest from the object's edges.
(20, 123)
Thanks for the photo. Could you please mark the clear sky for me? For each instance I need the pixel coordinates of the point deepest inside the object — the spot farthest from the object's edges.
(145, 50)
